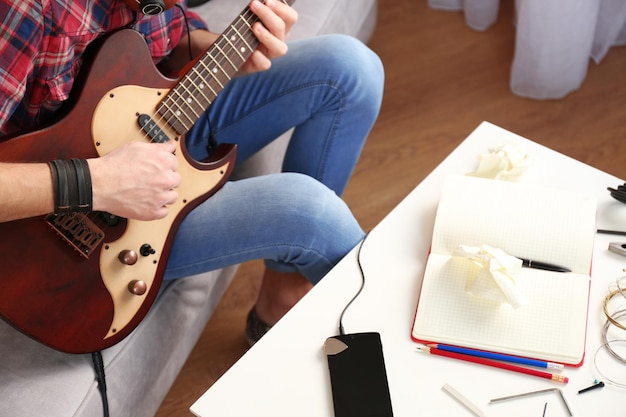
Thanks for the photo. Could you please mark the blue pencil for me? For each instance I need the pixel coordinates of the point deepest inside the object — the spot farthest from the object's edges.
(498, 356)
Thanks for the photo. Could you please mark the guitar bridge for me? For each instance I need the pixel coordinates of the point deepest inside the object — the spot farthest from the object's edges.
(77, 230)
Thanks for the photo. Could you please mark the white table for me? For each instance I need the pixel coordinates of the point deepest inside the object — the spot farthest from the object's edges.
(286, 373)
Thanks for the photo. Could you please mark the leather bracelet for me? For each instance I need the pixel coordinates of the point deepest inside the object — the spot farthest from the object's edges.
(83, 182)
(71, 186)
(60, 186)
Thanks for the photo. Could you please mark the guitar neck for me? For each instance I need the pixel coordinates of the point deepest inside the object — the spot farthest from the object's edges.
(199, 87)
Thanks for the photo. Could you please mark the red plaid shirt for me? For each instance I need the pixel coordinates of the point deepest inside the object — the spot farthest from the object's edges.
(42, 42)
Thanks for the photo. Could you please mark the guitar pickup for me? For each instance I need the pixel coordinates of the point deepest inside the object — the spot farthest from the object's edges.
(152, 129)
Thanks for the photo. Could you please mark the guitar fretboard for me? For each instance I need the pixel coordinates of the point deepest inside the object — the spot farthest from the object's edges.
(199, 87)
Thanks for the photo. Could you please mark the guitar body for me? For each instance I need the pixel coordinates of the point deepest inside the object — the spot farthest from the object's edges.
(75, 293)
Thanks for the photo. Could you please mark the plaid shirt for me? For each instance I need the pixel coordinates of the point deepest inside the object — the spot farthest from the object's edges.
(42, 42)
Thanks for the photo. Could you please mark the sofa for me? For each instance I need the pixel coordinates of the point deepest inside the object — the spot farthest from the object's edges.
(36, 381)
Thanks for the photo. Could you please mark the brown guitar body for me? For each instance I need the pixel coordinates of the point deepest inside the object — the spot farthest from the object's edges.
(81, 302)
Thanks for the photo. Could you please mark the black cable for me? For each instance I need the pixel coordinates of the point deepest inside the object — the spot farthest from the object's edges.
(182, 10)
(98, 364)
(358, 259)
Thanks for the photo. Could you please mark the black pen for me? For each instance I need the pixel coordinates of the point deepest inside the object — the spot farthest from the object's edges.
(612, 232)
(543, 265)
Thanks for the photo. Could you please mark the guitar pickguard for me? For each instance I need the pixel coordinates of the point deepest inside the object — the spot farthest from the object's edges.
(116, 121)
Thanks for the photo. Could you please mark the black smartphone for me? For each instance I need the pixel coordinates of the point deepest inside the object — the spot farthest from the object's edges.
(358, 376)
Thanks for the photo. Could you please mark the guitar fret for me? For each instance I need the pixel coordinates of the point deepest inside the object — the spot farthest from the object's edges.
(214, 72)
(166, 112)
(225, 56)
(175, 107)
(209, 73)
(243, 59)
(214, 78)
(245, 35)
(216, 62)
(189, 99)
(180, 114)
(245, 22)
(246, 45)
(200, 87)
(177, 121)
(250, 48)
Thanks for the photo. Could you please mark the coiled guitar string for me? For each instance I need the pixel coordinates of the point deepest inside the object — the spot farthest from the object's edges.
(617, 289)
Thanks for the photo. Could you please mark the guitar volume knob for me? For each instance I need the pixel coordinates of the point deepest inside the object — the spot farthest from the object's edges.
(137, 287)
(128, 257)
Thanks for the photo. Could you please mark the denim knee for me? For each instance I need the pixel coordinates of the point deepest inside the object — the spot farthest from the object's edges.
(318, 227)
(360, 70)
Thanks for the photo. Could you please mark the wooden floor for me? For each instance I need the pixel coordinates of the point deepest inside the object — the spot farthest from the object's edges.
(443, 79)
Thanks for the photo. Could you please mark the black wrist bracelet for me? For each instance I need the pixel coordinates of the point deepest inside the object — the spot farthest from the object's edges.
(83, 182)
(71, 186)
(60, 187)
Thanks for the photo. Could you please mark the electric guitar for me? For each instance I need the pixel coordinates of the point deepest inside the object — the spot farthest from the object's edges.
(79, 282)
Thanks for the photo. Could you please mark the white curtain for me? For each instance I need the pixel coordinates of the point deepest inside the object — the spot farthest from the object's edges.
(554, 39)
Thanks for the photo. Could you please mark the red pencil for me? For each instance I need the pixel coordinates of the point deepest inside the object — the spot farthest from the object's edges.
(496, 364)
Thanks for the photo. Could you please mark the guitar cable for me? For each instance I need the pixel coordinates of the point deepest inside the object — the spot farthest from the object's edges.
(184, 13)
(358, 259)
(98, 364)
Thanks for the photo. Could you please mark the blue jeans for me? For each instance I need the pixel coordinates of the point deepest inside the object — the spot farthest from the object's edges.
(329, 88)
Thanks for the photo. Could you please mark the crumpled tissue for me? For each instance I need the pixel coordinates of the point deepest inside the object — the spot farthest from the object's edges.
(506, 162)
(496, 279)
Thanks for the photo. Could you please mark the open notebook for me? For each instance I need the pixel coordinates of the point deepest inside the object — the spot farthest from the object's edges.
(527, 221)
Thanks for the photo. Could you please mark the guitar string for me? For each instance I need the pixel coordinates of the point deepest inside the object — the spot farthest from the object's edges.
(607, 347)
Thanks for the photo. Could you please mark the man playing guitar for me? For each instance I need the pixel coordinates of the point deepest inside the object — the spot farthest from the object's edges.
(328, 88)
